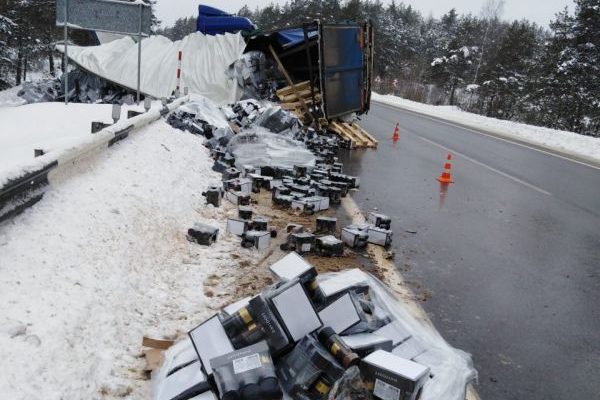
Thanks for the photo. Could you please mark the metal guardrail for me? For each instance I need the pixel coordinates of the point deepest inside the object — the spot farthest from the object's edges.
(26, 189)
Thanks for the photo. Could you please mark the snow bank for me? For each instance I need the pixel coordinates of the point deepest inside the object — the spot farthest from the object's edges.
(48, 126)
(102, 259)
(9, 98)
(63, 132)
(585, 147)
(205, 60)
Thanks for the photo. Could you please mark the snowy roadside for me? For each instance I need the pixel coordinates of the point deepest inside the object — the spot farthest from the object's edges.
(49, 126)
(9, 98)
(582, 147)
(103, 259)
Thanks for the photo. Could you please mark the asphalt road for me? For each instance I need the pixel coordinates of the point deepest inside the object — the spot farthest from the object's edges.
(507, 263)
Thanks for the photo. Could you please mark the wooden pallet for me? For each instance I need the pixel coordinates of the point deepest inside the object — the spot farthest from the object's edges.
(298, 98)
(354, 133)
(289, 90)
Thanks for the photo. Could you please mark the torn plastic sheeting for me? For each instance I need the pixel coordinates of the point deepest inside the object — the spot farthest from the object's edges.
(206, 110)
(452, 369)
(250, 74)
(260, 147)
(204, 64)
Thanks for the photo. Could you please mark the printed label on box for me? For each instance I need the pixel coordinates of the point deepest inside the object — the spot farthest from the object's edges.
(247, 363)
(305, 247)
(386, 391)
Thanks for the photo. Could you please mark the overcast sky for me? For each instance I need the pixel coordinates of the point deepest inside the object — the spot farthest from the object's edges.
(540, 11)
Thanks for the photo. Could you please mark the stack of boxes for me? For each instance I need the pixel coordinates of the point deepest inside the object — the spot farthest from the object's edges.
(294, 340)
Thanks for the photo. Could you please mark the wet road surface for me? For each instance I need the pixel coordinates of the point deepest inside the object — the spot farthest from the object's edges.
(507, 263)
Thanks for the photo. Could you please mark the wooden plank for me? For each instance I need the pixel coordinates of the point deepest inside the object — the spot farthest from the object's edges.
(296, 104)
(162, 344)
(374, 142)
(347, 133)
(289, 80)
(304, 95)
(288, 89)
(354, 133)
(360, 140)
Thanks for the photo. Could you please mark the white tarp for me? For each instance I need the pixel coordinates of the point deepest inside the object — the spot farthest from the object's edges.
(204, 62)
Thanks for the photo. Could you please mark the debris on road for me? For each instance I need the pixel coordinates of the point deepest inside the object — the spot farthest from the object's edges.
(312, 330)
(308, 335)
(203, 234)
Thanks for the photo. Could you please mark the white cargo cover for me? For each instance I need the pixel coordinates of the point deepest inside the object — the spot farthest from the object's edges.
(205, 59)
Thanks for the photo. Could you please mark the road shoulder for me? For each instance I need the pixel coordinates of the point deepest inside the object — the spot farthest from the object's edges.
(498, 133)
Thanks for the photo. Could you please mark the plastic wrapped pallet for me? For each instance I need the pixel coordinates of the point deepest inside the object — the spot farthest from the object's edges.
(452, 369)
(259, 147)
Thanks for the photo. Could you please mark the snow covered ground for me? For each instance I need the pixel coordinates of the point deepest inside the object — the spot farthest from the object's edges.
(103, 260)
(48, 126)
(585, 147)
(9, 98)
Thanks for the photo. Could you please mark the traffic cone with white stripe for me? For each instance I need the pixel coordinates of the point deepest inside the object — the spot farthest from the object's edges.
(446, 177)
(396, 135)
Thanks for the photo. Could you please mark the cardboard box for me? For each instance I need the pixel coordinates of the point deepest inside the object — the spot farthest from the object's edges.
(260, 240)
(329, 246)
(269, 324)
(393, 377)
(353, 278)
(283, 200)
(237, 226)
(203, 234)
(409, 349)
(323, 202)
(235, 307)
(379, 236)
(231, 173)
(379, 220)
(210, 340)
(213, 195)
(274, 183)
(245, 371)
(304, 364)
(293, 266)
(245, 212)
(305, 206)
(364, 344)
(302, 242)
(260, 224)
(326, 225)
(237, 198)
(294, 310)
(246, 185)
(354, 238)
(340, 314)
(394, 331)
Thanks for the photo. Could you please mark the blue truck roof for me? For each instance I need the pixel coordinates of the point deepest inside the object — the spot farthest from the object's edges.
(212, 21)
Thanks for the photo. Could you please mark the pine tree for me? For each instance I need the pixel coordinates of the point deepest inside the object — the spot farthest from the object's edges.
(510, 67)
(6, 32)
(568, 92)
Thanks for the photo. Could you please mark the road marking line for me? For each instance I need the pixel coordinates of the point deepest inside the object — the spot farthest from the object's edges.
(441, 121)
(504, 174)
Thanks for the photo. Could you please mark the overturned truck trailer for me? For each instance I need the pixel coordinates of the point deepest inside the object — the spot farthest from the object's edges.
(328, 68)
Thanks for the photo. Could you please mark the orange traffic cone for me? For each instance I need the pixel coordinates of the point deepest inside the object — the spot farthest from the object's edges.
(445, 177)
(396, 135)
